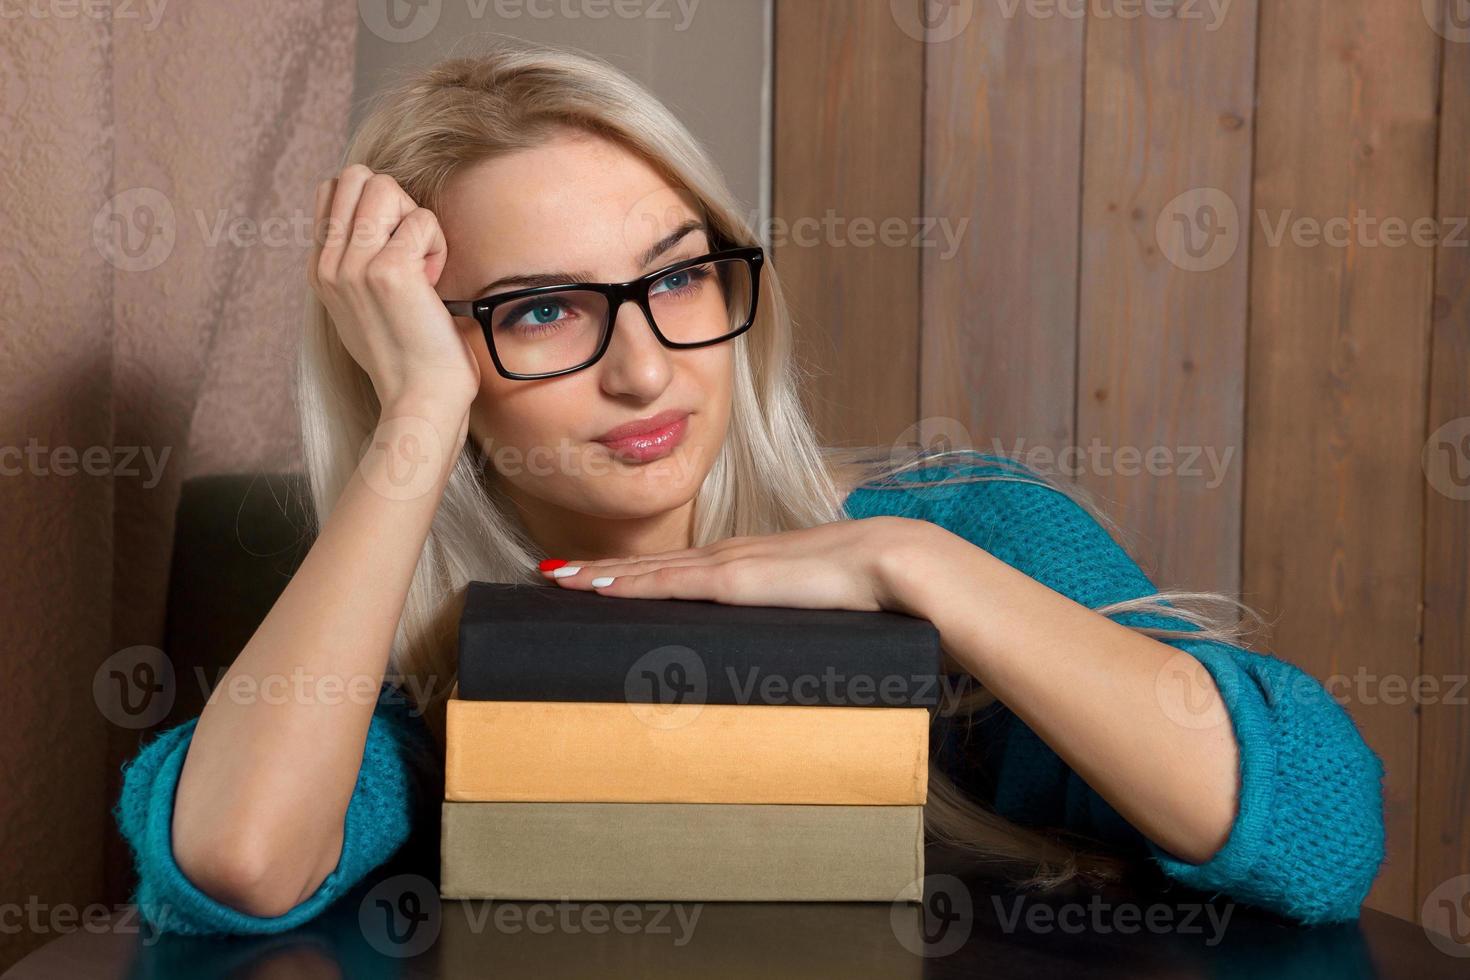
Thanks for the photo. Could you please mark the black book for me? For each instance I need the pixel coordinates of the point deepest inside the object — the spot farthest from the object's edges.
(546, 643)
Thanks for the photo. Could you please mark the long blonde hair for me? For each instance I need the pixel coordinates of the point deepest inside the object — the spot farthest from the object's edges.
(771, 475)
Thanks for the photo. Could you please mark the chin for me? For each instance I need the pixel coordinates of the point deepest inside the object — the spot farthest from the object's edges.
(643, 490)
(630, 508)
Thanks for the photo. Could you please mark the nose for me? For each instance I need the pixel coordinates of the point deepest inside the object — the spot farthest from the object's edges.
(636, 363)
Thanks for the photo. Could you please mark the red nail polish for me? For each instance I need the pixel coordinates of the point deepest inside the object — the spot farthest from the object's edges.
(547, 564)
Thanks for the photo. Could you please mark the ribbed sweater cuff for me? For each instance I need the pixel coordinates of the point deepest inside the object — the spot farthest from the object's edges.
(1250, 718)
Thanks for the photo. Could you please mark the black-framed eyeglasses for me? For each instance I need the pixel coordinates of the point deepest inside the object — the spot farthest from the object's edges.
(546, 331)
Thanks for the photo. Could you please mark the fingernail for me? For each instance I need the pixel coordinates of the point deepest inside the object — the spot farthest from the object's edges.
(566, 570)
(547, 564)
(602, 581)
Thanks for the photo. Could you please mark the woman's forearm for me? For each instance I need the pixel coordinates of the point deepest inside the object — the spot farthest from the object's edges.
(258, 816)
(1089, 687)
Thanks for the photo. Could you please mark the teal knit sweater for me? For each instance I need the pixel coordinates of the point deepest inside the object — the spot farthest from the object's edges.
(1307, 840)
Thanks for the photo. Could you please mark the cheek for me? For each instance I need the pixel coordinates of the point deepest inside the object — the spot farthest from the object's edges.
(489, 426)
(712, 383)
(510, 418)
(714, 375)
(517, 418)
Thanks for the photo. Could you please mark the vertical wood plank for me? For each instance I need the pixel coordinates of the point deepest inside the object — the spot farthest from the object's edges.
(847, 145)
(1444, 721)
(1161, 339)
(1002, 178)
(1338, 344)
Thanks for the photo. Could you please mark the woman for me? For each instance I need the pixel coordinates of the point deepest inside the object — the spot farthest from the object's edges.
(656, 448)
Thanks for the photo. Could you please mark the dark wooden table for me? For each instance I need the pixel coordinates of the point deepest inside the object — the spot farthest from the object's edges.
(970, 925)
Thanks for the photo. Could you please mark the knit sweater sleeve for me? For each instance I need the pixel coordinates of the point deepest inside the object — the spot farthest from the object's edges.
(1308, 836)
(377, 823)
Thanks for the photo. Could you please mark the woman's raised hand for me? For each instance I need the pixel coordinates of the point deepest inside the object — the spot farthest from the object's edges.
(376, 260)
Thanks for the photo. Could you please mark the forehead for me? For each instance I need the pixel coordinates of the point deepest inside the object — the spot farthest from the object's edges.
(577, 202)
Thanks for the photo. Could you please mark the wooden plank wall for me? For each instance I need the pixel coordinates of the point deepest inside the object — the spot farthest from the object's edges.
(1334, 524)
(1000, 312)
(1444, 726)
(1181, 235)
(853, 137)
(1161, 334)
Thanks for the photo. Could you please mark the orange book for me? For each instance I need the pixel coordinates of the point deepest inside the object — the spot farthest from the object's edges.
(614, 752)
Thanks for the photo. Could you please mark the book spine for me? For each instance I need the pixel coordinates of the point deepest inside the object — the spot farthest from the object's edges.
(591, 752)
(764, 665)
(681, 852)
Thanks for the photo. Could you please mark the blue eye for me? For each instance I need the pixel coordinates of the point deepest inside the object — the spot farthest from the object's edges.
(545, 313)
(534, 314)
(682, 281)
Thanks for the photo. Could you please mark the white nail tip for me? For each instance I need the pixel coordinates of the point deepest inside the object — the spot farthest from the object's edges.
(602, 581)
(565, 570)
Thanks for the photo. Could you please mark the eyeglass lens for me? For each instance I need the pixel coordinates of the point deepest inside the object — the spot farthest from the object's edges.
(562, 329)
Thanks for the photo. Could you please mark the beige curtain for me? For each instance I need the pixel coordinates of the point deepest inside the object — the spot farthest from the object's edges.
(158, 165)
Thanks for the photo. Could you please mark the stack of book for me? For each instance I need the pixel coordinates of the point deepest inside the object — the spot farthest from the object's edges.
(602, 748)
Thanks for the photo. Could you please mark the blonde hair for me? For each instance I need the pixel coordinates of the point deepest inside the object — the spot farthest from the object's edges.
(771, 475)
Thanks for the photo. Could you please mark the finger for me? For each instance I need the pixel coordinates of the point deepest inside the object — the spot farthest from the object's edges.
(380, 209)
(669, 582)
(719, 547)
(419, 238)
(584, 574)
(324, 192)
(629, 560)
(348, 188)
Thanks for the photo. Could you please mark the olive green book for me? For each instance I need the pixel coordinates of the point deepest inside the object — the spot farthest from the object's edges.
(682, 852)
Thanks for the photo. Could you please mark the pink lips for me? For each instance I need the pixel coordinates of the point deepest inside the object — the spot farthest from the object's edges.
(647, 439)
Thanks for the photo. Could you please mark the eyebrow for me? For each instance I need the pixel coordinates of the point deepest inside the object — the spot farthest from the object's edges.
(653, 251)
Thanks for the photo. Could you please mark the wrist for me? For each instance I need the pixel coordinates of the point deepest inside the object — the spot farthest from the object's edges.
(449, 419)
(907, 553)
(425, 404)
(414, 447)
(930, 572)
